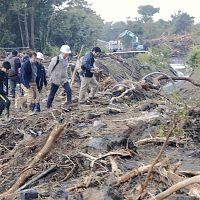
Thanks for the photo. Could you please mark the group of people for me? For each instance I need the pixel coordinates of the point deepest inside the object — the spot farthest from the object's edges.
(30, 74)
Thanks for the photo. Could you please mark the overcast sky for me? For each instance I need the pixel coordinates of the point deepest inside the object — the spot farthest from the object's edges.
(119, 10)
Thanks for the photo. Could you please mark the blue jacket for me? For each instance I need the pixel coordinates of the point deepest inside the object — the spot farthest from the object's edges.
(41, 76)
(88, 62)
(26, 74)
(3, 82)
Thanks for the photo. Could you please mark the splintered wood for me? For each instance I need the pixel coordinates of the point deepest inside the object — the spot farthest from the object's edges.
(28, 171)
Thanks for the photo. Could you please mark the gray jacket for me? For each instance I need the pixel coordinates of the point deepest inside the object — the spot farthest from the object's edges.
(61, 73)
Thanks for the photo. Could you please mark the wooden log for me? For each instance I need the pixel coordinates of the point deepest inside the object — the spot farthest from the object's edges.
(28, 171)
(181, 79)
(159, 140)
(135, 172)
(44, 173)
(75, 70)
(187, 183)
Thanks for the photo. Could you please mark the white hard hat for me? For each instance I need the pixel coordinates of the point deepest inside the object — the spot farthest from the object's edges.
(40, 56)
(65, 49)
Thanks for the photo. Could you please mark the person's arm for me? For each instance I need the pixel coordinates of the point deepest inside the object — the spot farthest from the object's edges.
(24, 75)
(45, 77)
(69, 71)
(17, 65)
(6, 84)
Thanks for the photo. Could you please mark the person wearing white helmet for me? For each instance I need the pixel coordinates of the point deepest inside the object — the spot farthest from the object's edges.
(59, 71)
(28, 80)
(41, 77)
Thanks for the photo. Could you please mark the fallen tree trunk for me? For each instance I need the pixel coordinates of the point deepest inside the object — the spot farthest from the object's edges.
(187, 183)
(135, 172)
(28, 171)
(143, 118)
(181, 79)
(159, 140)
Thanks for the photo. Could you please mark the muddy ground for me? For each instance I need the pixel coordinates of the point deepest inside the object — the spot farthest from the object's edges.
(94, 130)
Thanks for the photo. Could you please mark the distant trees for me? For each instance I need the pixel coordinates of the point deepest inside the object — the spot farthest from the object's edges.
(181, 23)
(76, 27)
(147, 12)
(43, 23)
(46, 24)
(193, 58)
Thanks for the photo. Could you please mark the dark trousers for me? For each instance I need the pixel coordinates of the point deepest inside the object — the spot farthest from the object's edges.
(4, 103)
(13, 84)
(54, 89)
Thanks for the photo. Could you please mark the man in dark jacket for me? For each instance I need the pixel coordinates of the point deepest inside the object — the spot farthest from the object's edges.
(13, 74)
(4, 101)
(87, 75)
(28, 80)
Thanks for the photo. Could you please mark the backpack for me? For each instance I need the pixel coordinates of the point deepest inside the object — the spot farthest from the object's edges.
(12, 71)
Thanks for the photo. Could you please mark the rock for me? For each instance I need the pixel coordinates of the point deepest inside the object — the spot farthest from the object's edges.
(195, 112)
(82, 125)
(98, 143)
(102, 193)
(111, 142)
(92, 115)
(98, 124)
(75, 196)
(29, 194)
(127, 165)
(148, 106)
(60, 195)
(121, 142)
(113, 111)
(195, 154)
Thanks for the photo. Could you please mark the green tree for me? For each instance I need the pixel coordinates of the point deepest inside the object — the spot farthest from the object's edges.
(181, 23)
(76, 27)
(193, 58)
(147, 12)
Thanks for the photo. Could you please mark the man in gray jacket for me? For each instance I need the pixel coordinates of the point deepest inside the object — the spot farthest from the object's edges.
(59, 74)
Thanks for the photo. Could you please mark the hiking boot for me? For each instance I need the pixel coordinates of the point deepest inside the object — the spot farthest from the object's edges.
(66, 103)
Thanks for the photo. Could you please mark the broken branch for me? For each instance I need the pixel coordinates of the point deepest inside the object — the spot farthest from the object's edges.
(176, 187)
(28, 171)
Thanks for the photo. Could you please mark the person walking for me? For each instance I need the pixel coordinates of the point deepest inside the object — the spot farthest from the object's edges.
(41, 77)
(28, 80)
(13, 74)
(4, 101)
(88, 81)
(59, 73)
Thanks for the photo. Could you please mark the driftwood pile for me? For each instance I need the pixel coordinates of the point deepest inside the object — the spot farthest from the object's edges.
(179, 44)
(124, 145)
(50, 151)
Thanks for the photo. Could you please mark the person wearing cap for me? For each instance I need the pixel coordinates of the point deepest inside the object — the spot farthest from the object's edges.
(58, 72)
(13, 74)
(41, 77)
(87, 75)
(28, 80)
(4, 101)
